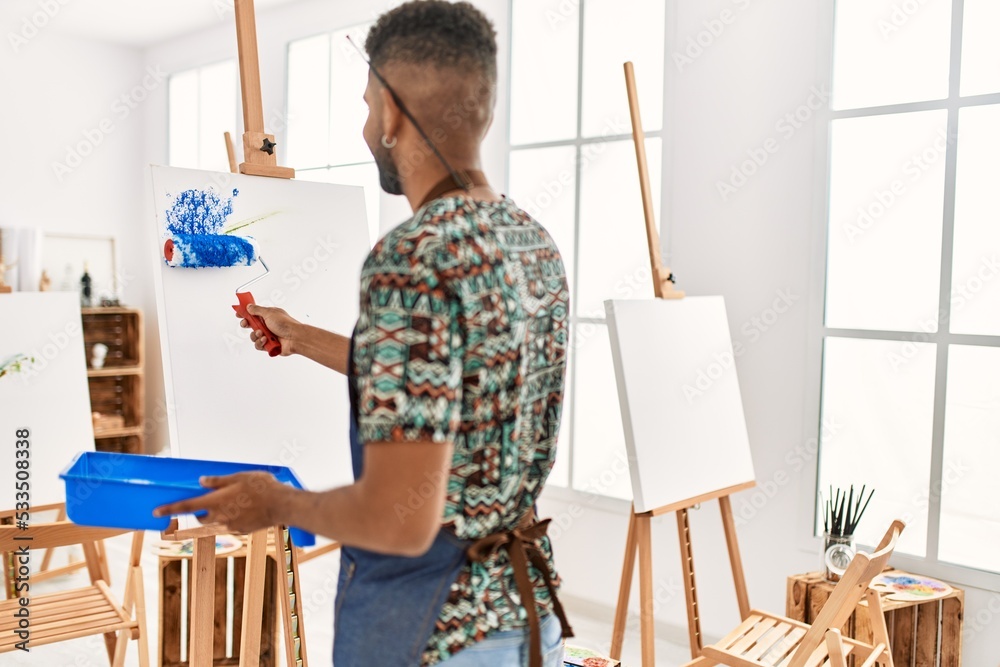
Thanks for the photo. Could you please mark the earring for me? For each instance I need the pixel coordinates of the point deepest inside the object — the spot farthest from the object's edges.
(387, 144)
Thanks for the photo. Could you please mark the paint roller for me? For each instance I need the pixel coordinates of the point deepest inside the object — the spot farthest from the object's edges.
(198, 251)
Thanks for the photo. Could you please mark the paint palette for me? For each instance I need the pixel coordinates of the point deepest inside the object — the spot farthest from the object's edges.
(907, 587)
(224, 544)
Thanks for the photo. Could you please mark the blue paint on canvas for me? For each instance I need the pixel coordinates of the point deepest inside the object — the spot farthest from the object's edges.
(199, 212)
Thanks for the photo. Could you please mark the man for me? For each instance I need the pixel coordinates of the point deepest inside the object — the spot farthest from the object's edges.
(456, 370)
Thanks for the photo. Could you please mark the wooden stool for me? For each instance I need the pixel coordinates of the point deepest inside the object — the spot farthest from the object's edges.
(919, 632)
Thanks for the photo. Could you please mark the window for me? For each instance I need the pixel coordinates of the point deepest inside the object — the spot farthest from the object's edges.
(911, 332)
(326, 82)
(204, 103)
(570, 146)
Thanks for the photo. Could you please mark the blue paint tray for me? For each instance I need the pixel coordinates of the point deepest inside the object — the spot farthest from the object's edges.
(113, 490)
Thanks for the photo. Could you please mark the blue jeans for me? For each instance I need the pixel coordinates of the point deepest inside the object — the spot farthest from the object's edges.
(510, 648)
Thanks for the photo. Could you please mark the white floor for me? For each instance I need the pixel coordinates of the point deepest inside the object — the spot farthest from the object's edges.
(319, 581)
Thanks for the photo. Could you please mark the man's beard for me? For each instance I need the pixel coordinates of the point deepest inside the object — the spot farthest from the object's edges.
(388, 173)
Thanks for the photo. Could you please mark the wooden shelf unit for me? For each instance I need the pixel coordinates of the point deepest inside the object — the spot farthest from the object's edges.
(118, 387)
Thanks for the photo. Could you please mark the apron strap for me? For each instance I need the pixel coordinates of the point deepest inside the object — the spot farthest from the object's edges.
(522, 547)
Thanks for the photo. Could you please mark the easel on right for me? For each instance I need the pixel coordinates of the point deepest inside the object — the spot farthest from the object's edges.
(688, 452)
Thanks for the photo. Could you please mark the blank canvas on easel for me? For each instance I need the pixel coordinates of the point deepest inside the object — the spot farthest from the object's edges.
(43, 388)
(681, 407)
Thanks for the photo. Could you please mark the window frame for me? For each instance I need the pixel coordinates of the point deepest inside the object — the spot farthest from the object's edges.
(929, 564)
(572, 492)
(238, 117)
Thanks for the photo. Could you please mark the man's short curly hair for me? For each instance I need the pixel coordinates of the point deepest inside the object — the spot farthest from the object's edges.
(438, 33)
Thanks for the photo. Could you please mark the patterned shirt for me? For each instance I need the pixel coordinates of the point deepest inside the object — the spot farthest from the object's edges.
(462, 338)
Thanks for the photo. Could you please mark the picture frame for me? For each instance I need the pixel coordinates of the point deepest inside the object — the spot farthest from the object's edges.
(64, 257)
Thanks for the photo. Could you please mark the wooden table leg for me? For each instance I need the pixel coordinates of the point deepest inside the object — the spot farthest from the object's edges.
(202, 596)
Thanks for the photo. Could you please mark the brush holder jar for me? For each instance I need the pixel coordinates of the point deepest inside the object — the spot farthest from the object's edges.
(838, 551)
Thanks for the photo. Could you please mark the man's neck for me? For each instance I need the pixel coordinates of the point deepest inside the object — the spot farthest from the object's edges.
(420, 183)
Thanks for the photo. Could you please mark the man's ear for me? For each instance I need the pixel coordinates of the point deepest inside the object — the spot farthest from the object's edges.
(392, 117)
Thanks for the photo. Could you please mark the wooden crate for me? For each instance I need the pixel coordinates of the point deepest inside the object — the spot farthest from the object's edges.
(118, 328)
(922, 634)
(174, 570)
(118, 387)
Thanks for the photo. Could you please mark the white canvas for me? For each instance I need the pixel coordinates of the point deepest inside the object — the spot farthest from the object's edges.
(680, 398)
(226, 400)
(44, 392)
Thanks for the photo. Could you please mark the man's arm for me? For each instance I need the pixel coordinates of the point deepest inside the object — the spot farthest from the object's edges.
(395, 508)
(323, 347)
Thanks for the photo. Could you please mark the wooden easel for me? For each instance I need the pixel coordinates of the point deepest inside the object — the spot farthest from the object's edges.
(258, 151)
(258, 147)
(639, 525)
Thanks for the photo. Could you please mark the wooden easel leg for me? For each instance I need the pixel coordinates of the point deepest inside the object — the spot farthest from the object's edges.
(253, 598)
(139, 598)
(734, 557)
(690, 590)
(129, 602)
(202, 596)
(291, 599)
(645, 546)
(624, 590)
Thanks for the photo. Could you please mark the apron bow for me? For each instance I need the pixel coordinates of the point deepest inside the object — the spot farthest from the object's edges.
(522, 547)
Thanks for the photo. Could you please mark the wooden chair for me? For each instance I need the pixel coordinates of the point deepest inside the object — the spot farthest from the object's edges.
(775, 641)
(46, 571)
(80, 612)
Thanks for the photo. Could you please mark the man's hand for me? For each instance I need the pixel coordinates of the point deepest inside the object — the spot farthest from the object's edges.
(243, 502)
(281, 324)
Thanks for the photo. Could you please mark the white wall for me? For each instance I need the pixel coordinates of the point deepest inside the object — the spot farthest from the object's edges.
(758, 249)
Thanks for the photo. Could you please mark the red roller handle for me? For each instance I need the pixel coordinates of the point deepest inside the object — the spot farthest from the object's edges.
(271, 343)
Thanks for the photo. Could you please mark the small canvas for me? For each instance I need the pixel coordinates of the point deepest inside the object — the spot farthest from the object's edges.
(43, 393)
(227, 401)
(681, 408)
